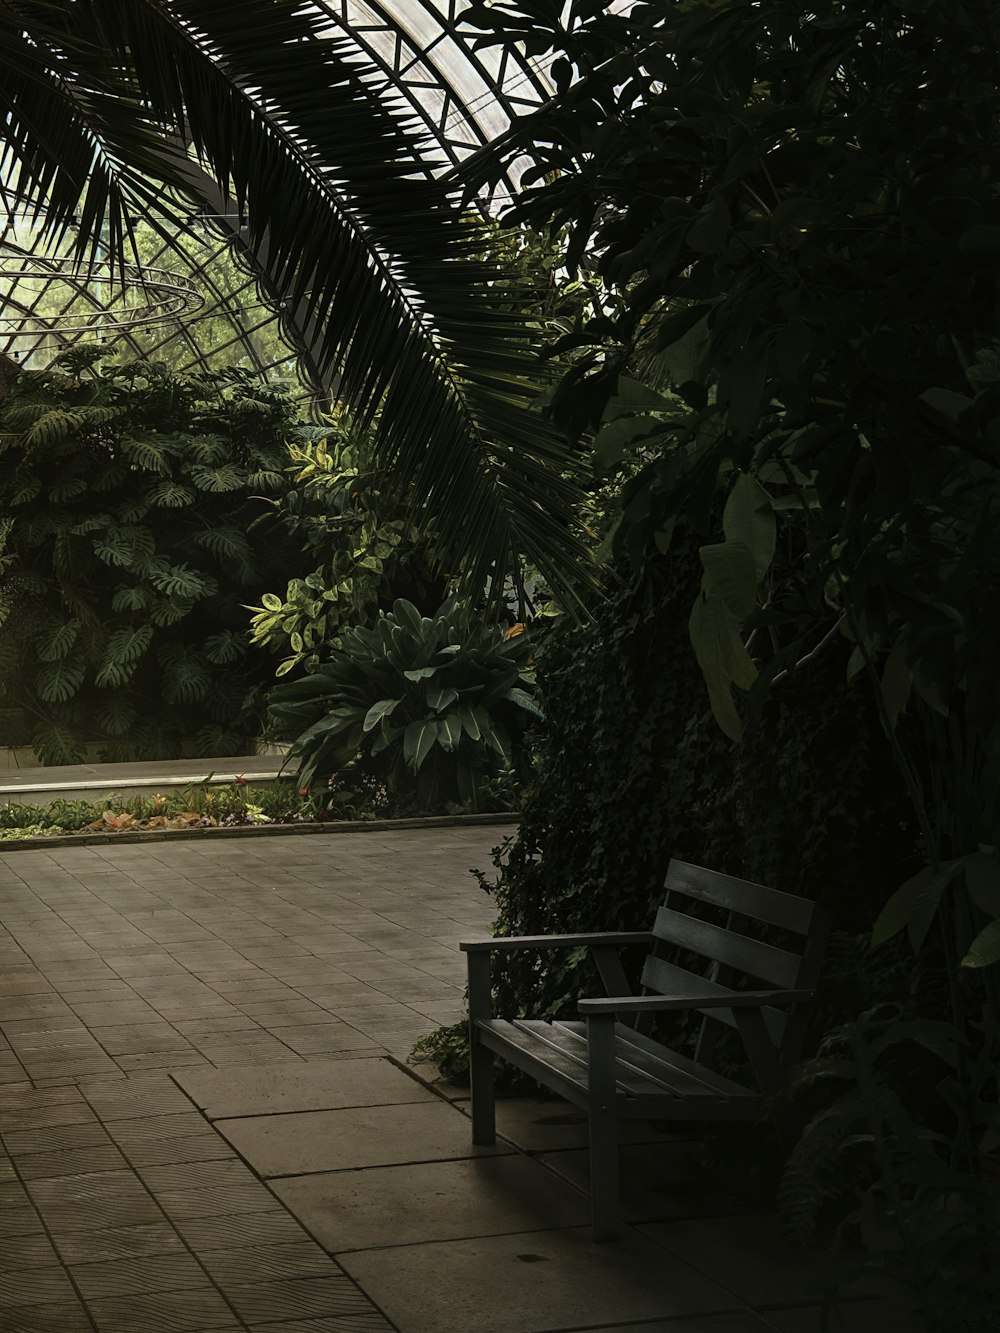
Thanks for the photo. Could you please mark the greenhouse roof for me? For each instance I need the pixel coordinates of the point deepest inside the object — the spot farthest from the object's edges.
(200, 299)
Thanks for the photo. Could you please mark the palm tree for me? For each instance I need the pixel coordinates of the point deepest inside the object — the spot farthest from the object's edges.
(108, 106)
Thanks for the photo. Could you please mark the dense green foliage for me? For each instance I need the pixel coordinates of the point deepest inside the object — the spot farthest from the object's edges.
(795, 213)
(126, 497)
(808, 803)
(369, 548)
(266, 107)
(432, 706)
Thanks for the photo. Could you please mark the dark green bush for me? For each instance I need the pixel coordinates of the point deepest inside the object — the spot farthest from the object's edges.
(433, 707)
(127, 495)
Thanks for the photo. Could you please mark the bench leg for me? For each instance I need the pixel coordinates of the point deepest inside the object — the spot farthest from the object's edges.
(603, 1115)
(484, 1127)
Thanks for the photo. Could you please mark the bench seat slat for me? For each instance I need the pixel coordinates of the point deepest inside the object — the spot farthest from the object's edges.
(662, 1069)
(644, 1070)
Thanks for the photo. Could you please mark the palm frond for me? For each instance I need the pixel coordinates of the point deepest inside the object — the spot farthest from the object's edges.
(375, 256)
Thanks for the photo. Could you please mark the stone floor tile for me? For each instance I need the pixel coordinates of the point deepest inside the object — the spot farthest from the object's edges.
(709, 1323)
(34, 1286)
(92, 1202)
(18, 1219)
(138, 1039)
(661, 1181)
(114, 1013)
(162, 1312)
(197, 1175)
(369, 1321)
(241, 1230)
(314, 1085)
(318, 1037)
(71, 1162)
(43, 1117)
(21, 1142)
(249, 1263)
(118, 1243)
(252, 1198)
(20, 1252)
(136, 1099)
(296, 1143)
(530, 1282)
(161, 1060)
(160, 1272)
(404, 1205)
(758, 1265)
(874, 1316)
(284, 1299)
(66, 1317)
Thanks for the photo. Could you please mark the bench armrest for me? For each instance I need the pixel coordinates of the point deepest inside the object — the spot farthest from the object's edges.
(646, 1004)
(510, 943)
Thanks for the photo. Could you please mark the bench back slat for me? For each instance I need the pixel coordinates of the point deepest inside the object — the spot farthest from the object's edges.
(777, 966)
(663, 978)
(742, 896)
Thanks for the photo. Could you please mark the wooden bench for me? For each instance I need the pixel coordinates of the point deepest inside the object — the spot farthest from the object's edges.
(614, 1070)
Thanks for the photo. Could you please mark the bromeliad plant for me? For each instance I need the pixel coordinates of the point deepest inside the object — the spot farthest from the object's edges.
(431, 706)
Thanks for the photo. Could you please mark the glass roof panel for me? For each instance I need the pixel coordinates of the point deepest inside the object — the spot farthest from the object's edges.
(209, 305)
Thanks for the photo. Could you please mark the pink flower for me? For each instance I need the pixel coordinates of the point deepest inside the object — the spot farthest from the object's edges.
(303, 791)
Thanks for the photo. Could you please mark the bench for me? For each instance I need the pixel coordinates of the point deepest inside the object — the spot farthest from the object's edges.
(615, 1070)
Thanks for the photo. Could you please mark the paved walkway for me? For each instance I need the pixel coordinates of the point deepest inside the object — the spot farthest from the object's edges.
(207, 1123)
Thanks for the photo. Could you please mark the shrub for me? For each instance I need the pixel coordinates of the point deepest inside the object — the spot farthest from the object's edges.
(127, 494)
(434, 707)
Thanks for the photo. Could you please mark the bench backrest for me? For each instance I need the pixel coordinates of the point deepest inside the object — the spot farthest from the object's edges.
(730, 956)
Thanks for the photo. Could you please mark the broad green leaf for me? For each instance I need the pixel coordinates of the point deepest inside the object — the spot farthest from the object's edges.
(378, 711)
(449, 731)
(418, 741)
(731, 575)
(59, 681)
(982, 880)
(914, 903)
(467, 717)
(723, 659)
(407, 615)
(896, 682)
(420, 673)
(440, 696)
(749, 518)
(524, 700)
(984, 950)
(59, 642)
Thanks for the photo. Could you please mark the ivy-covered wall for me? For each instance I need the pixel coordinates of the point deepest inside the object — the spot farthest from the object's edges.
(634, 770)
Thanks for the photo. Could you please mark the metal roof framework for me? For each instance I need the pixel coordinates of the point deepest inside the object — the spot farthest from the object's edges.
(463, 98)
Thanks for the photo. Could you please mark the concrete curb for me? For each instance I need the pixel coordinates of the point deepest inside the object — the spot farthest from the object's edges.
(258, 831)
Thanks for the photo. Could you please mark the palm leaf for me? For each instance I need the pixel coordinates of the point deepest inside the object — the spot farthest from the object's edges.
(426, 340)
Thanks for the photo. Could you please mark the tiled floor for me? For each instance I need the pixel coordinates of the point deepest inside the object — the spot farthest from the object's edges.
(208, 1124)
